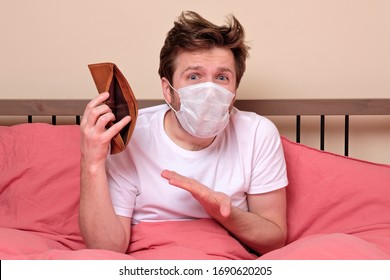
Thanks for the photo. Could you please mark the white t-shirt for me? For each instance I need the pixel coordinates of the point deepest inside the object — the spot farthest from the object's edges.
(246, 158)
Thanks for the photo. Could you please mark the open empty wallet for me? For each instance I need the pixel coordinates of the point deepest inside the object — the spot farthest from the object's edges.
(122, 102)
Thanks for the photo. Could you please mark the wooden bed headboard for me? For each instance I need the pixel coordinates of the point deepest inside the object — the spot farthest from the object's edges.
(285, 107)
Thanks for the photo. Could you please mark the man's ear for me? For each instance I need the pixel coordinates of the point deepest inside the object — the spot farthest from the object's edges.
(166, 89)
(233, 101)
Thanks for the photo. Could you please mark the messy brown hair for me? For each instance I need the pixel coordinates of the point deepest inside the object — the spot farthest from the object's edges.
(192, 32)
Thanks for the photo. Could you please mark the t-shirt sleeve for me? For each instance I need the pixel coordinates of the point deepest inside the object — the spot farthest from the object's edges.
(122, 183)
(268, 163)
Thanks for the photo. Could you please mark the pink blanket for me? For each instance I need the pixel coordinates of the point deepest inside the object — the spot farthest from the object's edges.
(198, 239)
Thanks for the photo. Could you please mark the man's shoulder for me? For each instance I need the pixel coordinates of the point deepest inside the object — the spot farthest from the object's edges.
(149, 111)
(248, 118)
(145, 115)
(251, 124)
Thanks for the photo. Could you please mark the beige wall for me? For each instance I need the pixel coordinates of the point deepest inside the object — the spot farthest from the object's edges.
(300, 48)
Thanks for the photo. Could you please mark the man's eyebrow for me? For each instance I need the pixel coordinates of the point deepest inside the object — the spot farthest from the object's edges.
(222, 69)
(225, 69)
(192, 68)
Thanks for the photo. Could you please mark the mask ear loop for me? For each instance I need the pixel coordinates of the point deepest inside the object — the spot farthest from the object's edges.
(169, 104)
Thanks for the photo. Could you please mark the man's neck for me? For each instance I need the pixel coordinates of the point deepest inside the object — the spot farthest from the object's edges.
(180, 137)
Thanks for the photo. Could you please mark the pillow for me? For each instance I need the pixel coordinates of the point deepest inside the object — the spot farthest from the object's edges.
(15, 244)
(329, 193)
(40, 175)
(332, 246)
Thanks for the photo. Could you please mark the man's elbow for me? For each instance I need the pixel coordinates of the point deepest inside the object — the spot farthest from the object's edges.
(277, 241)
(111, 246)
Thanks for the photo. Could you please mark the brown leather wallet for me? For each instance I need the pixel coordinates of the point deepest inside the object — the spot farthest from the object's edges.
(122, 102)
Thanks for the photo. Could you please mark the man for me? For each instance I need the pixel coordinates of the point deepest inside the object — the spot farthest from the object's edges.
(196, 157)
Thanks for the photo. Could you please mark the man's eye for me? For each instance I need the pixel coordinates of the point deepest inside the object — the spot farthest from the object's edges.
(193, 77)
(222, 78)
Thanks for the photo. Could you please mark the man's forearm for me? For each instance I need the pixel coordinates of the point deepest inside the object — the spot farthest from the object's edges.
(253, 230)
(99, 225)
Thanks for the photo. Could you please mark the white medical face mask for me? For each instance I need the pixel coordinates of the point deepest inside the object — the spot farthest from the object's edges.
(204, 109)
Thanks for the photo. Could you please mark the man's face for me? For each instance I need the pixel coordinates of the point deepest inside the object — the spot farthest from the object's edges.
(215, 65)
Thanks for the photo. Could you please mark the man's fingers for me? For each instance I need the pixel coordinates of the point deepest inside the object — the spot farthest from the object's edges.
(117, 127)
(171, 175)
(94, 109)
(99, 118)
(180, 181)
(225, 207)
(97, 100)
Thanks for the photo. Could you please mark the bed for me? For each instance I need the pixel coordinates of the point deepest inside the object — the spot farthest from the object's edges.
(338, 206)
